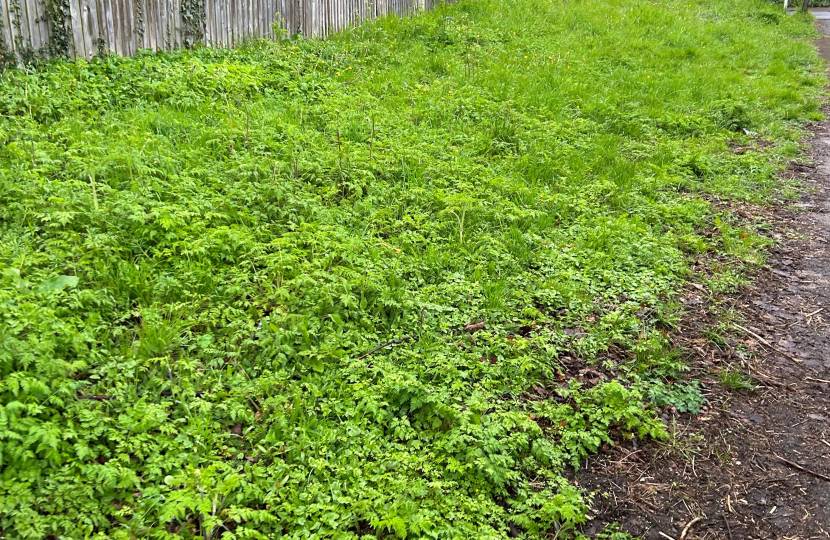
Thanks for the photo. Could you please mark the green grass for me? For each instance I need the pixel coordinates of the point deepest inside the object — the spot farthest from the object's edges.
(209, 242)
(735, 380)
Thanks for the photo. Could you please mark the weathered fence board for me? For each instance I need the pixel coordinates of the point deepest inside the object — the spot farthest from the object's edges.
(91, 27)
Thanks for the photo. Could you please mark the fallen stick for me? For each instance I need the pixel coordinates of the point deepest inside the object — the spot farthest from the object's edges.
(689, 526)
(767, 343)
(813, 313)
(800, 468)
(817, 380)
(473, 327)
(728, 528)
(388, 343)
(664, 535)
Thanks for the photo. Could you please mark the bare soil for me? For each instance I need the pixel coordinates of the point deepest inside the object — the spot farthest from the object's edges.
(755, 463)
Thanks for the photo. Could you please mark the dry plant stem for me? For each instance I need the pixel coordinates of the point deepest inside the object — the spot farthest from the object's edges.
(247, 126)
(800, 468)
(388, 343)
(689, 526)
(767, 343)
(728, 528)
(94, 191)
(473, 327)
(339, 153)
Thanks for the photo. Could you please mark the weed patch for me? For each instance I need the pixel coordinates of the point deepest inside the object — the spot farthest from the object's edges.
(202, 250)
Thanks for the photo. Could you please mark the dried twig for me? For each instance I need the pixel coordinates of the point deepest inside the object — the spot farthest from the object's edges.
(800, 468)
(473, 327)
(664, 535)
(728, 528)
(689, 526)
(414, 337)
(766, 343)
(388, 343)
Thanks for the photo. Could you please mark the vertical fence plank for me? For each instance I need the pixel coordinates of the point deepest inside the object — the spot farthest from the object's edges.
(223, 18)
(220, 22)
(121, 16)
(78, 50)
(107, 24)
(240, 21)
(25, 23)
(149, 24)
(255, 12)
(102, 38)
(171, 24)
(228, 5)
(217, 24)
(141, 23)
(243, 20)
(231, 23)
(173, 18)
(132, 36)
(226, 18)
(106, 45)
(208, 40)
(87, 30)
(42, 24)
(109, 12)
(164, 24)
(145, 24)
(6, 23)
(266, 18)
(151, 20)
(176, 20)
(262, 18)
(217, 15)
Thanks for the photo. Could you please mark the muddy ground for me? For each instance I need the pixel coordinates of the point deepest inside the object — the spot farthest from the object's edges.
(756, 462)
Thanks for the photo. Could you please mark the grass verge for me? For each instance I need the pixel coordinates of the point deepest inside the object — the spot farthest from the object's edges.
(202, 250)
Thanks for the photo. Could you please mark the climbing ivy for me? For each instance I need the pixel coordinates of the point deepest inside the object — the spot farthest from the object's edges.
(139, 21)
(25, 52)
(6, 56)
(57, 13)
(193, 22)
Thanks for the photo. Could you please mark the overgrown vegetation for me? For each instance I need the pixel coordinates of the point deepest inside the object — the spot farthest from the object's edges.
(200, 249)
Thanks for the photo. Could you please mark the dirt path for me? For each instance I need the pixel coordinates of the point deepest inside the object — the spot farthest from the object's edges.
(756, 464)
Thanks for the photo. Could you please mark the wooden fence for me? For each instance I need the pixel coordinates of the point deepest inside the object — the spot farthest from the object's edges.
(85, 28)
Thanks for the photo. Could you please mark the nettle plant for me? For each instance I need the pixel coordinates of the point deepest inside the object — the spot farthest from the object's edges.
(388, 284)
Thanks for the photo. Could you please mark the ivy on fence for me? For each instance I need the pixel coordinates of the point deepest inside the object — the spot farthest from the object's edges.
(193, 22)
(60, 37)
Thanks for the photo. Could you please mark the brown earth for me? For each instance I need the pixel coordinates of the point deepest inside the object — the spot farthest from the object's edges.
(756, 462)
